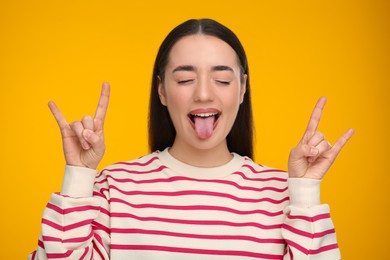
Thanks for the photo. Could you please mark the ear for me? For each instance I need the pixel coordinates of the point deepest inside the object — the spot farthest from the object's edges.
(243, 89)
(161, 91)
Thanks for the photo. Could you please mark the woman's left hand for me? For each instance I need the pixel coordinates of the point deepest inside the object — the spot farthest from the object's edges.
(314, 155)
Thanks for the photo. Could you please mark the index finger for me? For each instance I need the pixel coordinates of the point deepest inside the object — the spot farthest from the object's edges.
(315, 117)
(103, 102)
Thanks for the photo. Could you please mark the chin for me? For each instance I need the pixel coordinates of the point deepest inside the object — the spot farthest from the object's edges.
(209, 144)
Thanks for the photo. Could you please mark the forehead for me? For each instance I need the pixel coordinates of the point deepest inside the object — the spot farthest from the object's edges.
(201, 50)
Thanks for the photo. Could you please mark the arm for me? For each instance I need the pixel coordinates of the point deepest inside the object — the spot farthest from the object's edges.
(308, 228)
(75, 223)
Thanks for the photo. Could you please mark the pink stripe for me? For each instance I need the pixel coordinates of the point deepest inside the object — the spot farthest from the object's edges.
(197, 222)
(99, 241)
(291, 254)
(197, 236)
(78, 240)
(139, 163)
(197, 207)
(99, 174)
(180, 178)
(99, 226)
(96, 249)
(105, 211)
(260, 179)
(159, 169)
(51, 239)
(288, 252)
(102, 181)
(70, 210)
(261, 171)
(135, 163)
(85, 253)
(197, 192)
(250, 160)
(310, 219)
(98, 238)
(308, 234)
(311, 251)
(98, 194)
(68, 227)
(41, 245)
(59, 255)
(324, 249)
(194, 251)
(69, 240)
(33, 255)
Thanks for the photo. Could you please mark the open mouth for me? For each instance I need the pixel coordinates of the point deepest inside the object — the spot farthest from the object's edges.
(193, 117)
(204, 121)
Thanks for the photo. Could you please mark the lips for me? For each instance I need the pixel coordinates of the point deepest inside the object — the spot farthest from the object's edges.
(204, 113)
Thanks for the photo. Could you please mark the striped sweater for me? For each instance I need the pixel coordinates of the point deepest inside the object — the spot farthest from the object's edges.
(157, 207)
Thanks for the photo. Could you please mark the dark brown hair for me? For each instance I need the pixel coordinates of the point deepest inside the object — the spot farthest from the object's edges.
(161, 130)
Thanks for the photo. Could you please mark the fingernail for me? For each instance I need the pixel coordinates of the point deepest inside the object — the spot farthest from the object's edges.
(87, 134)
(85, 145)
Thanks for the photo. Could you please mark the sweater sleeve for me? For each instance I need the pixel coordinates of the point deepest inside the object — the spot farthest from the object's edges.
(308, 228)
(75, 222)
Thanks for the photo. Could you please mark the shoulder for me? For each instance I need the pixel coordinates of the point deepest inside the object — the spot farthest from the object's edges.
(146, 161)
(254, 169)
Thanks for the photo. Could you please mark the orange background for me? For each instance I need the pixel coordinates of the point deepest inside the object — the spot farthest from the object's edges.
(297, 50)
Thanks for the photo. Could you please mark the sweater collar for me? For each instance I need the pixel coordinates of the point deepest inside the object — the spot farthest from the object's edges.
(183, 169)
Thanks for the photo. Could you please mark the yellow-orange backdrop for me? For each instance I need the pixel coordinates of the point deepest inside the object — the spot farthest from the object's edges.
(298, 50)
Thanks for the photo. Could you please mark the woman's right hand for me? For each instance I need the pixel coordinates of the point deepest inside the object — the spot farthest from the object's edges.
(83, 141)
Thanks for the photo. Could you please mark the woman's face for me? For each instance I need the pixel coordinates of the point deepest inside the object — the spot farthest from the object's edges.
(202, 90)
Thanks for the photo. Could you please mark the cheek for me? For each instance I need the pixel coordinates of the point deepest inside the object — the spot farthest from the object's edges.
(177, 103)
(176, 98)
(232, 99)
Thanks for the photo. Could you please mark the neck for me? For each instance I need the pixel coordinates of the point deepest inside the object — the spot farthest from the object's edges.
(212, 157)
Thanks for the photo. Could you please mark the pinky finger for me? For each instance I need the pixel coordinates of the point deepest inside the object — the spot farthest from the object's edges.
(342, 141)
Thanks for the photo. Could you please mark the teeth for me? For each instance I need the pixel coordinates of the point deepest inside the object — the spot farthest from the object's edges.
(205, 114)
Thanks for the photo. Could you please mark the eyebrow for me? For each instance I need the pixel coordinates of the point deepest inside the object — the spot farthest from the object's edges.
(184, 68)
(192, 68)
(222, 68)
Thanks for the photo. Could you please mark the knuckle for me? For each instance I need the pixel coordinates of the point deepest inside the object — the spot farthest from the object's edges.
(87, 118)
(320, 135)
(74, 124)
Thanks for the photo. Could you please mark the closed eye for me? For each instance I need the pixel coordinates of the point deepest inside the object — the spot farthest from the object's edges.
(186, 81)
(223, 82)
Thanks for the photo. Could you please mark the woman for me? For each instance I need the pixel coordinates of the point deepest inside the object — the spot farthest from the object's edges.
(198, 195)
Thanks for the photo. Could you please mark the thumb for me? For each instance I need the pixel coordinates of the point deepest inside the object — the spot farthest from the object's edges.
(304, 150)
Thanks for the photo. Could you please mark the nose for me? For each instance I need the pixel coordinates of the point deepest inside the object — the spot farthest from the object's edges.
(203, 91)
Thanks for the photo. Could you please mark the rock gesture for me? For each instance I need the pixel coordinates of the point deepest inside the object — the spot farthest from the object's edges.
(314, 155)
(83, 141)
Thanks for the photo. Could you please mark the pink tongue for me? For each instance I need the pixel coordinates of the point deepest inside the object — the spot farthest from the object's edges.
(204, 126)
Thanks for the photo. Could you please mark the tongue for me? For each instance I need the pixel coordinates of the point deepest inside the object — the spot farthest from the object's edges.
(204, 126)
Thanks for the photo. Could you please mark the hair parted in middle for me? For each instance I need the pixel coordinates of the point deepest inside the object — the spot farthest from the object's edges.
(161, 130)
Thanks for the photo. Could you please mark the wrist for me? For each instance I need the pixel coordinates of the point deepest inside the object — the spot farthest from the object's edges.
(304, 192)
(78, 181)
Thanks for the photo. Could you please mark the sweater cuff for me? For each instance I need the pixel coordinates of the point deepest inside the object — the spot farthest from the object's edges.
(78, 182)
(304, 192)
